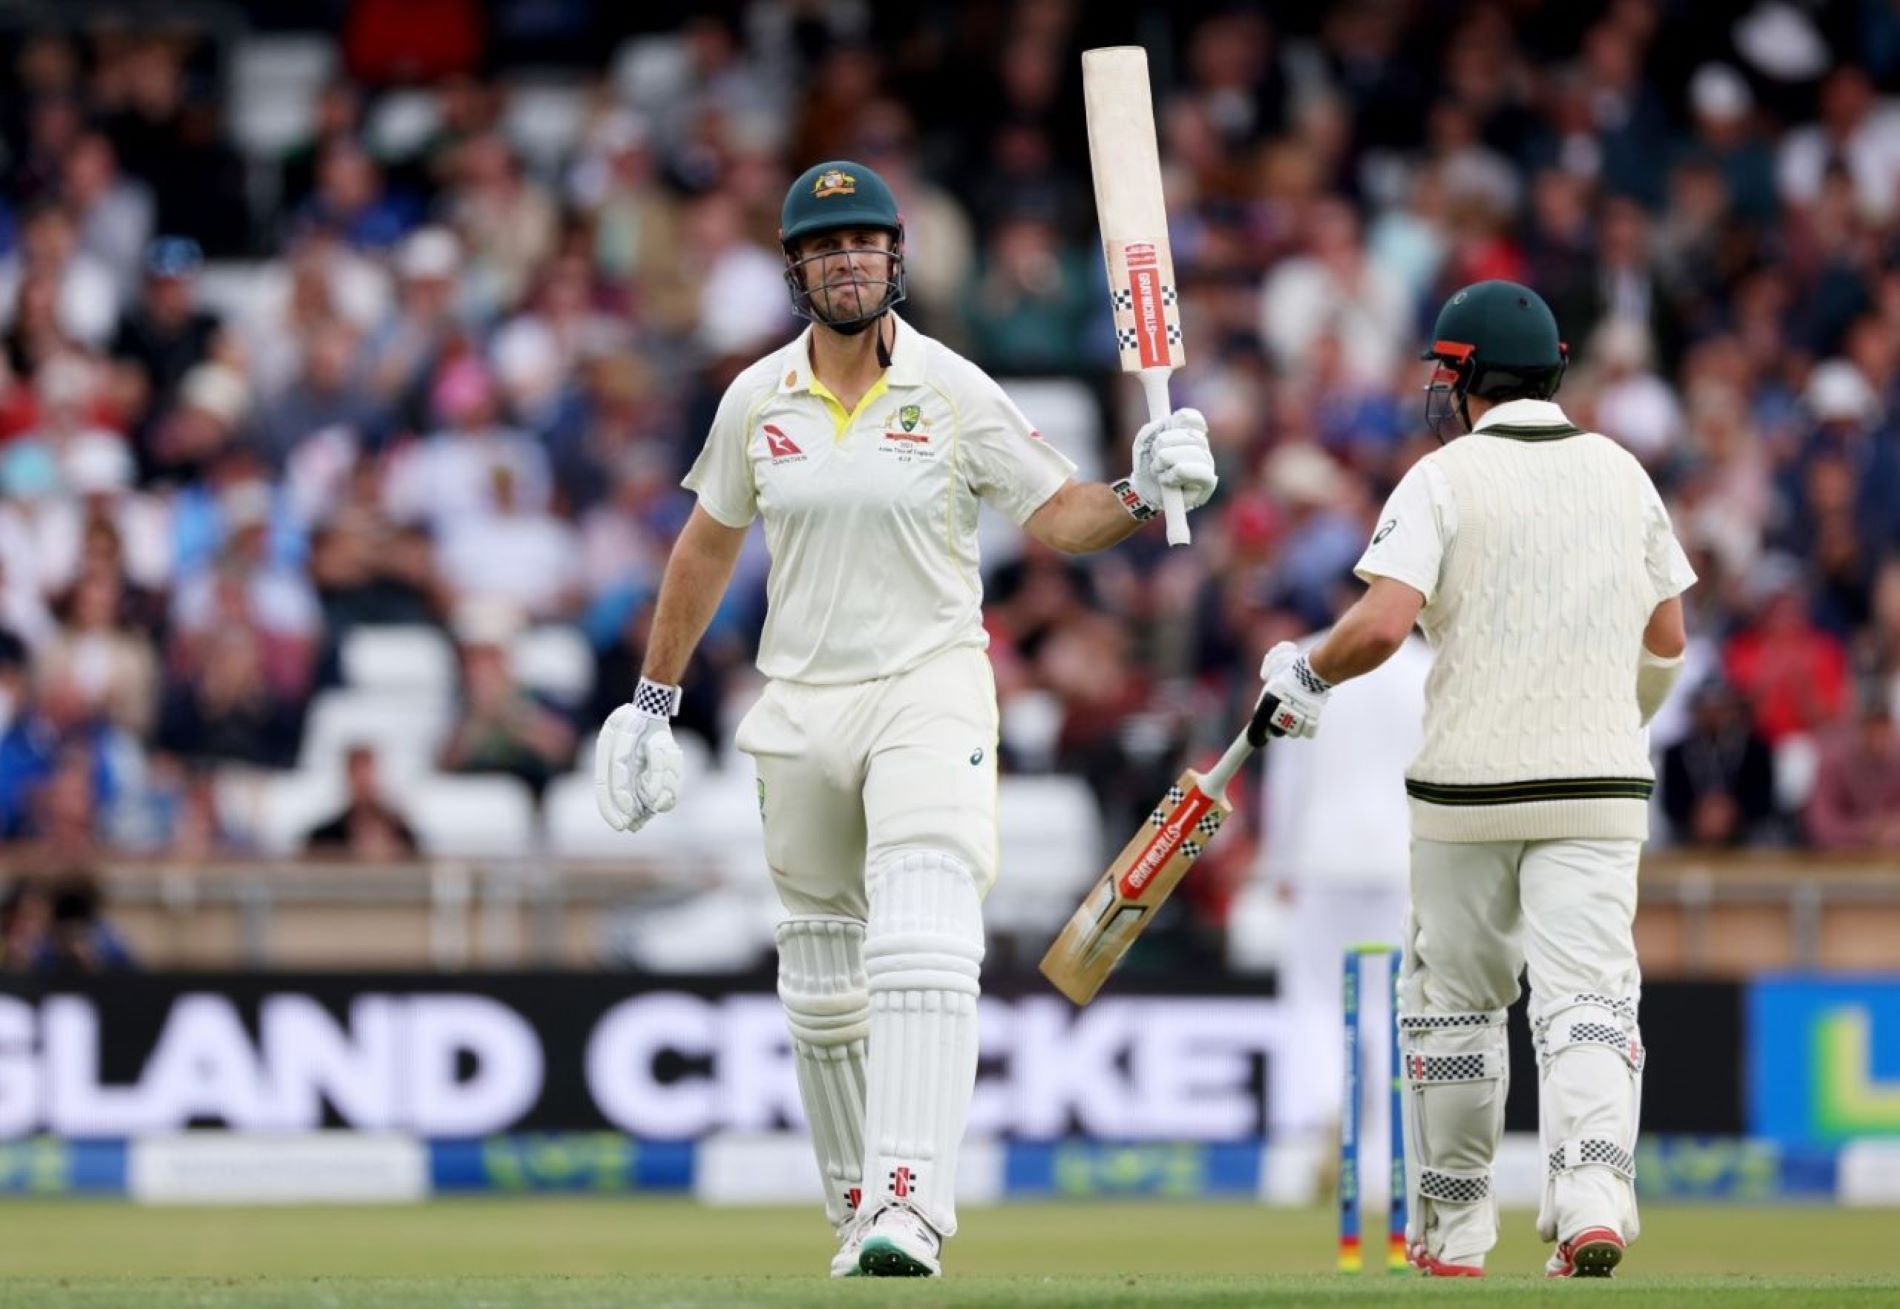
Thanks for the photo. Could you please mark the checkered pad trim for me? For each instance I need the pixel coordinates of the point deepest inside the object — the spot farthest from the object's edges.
(1624, 1043)
(1453, 1188)
(1593, 1150)
(1624, 1009)
(656, 700)
(1449, 1022)
(1424, 1068)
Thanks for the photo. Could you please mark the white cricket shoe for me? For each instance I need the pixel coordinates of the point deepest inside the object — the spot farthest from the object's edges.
(895, 1242)
(845, 1262)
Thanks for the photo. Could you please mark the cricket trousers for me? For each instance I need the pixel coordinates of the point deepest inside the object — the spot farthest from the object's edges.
(1561, 911)
(879, 806)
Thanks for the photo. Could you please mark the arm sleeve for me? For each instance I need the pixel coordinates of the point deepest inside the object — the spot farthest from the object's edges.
(1416, 528)
(722, 475)
(1669, 571)
(1005, 459)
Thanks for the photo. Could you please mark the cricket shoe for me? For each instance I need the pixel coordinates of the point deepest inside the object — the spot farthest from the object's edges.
(1431, 1265)
(1593, 1252)
(845, 1262)
(895, 1242)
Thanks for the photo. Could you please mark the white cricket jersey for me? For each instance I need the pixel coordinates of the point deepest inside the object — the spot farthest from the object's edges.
(870, 516)
(1541, 551)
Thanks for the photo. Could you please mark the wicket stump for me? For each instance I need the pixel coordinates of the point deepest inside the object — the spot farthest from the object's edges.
(1350, 1258)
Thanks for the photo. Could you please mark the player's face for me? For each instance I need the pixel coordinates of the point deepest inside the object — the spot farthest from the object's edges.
(847, 271)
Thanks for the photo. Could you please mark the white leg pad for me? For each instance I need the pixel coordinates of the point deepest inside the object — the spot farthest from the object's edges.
(922, 953)
(1457, 1070)
(1590, 1087)
(828, 1005)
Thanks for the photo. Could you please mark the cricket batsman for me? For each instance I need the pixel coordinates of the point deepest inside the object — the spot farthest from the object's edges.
(866, 447)
(1541, 565)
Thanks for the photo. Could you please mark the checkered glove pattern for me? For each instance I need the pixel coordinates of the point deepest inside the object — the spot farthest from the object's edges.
(638, 767)
(1174, 452)
(1302, 693)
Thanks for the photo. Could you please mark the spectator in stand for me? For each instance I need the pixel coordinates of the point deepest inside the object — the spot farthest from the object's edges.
(1035, 306)
(1856, 132)
(166, 333)
(222, 707)
(509, 221)
(502, 727)
(407, 350)
(1855, 804)
(99, 657)
(367, 569)
(451, 475)
(213, 403)
(1718, 781)
(352, 201)
(113, 212)
(1792, 672)
(367, 829)
(328, 394)
(529, 560)
(1332, 288)
(53, 927)
(1725, 136)
(52, 293)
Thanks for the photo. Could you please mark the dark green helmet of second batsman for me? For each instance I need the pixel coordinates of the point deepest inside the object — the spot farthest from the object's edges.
(1495, 340)
(835, 195)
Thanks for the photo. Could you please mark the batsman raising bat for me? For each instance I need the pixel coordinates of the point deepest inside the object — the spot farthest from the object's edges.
(1541, 565)
(866, 448)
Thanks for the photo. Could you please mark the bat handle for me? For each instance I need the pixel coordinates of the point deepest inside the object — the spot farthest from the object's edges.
(1154, 389)
(1258, 729)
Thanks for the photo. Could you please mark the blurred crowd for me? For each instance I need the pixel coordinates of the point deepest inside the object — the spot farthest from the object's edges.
(443, 354)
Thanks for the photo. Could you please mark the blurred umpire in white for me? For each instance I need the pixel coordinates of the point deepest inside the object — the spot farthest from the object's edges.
(1540, 563)
(866, 448)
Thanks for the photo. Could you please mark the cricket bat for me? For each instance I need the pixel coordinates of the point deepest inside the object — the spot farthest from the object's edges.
(1129, 208)
(1121, 903)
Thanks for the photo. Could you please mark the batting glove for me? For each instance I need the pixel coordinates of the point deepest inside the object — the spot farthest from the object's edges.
(1173, 451)
(1302, 693)
(637, 764)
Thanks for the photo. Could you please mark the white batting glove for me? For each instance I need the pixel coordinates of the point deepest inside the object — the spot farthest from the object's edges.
(1302, 693)
(638, 767)
(1173, 451)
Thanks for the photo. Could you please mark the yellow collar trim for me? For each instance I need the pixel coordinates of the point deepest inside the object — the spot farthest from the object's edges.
(841, 421)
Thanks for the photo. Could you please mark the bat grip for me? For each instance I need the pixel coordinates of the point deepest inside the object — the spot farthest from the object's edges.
(1257, 727)
(1154, 389)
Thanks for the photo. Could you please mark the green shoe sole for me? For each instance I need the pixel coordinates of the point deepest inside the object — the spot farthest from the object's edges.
(880, 1257)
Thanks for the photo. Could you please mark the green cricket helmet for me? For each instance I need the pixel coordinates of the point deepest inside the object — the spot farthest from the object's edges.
(829, 197)
(1494, 340)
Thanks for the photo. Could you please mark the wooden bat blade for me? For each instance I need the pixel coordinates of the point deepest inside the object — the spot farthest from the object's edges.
(1142, 876)
(1125, 162)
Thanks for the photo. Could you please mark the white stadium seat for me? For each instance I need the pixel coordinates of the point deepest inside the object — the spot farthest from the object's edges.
(555, 660)
(278, 809)
(1051, 849)
(407, 658)
(405, 729)
(473, 815)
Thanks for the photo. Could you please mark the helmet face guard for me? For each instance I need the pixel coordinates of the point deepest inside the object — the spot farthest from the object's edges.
(1458, 373)
(872, 298)
(1453, 366)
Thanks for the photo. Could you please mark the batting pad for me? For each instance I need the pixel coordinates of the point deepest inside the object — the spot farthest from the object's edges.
(922, 952)
(1590, 1090)
(821, 984)
(1457, 1069)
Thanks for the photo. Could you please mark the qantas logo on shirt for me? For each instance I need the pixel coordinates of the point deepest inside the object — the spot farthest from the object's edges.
(780, 446)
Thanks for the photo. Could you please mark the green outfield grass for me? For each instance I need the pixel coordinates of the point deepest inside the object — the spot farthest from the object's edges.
(579, 1254)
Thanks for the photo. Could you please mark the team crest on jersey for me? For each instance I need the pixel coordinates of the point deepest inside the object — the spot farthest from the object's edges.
(908, 416)
(779, 446)
(834, 181)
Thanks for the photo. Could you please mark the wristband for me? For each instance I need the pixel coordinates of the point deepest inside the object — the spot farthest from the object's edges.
(656, 699)
(1138, 509)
